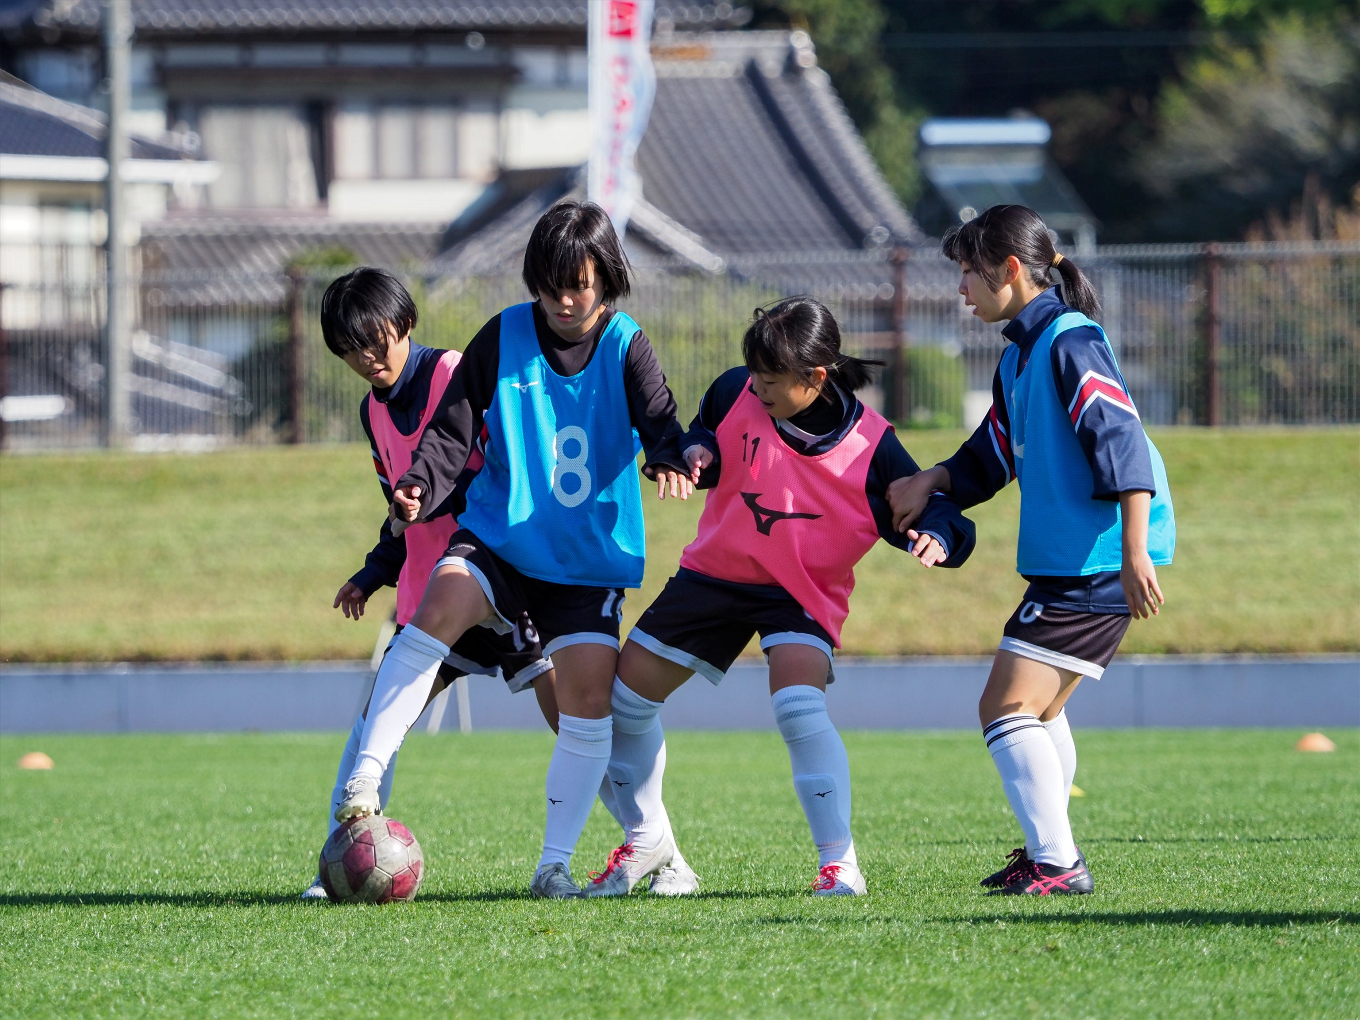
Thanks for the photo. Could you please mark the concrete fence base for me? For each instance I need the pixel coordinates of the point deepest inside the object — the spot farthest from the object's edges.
(867, 694)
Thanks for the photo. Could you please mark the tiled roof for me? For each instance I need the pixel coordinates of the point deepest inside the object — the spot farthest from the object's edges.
(33, 123)
(235, 17)
(216, 261)
(748, 150)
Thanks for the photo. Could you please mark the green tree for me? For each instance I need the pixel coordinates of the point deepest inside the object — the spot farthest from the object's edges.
(1248, 125)
(846, 34)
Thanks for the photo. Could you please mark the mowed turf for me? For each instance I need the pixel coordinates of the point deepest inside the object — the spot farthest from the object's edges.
(238, 554)
(158, 876)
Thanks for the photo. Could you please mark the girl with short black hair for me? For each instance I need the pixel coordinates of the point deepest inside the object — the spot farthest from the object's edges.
(560, 394)
(799, 470)
(1095, 520)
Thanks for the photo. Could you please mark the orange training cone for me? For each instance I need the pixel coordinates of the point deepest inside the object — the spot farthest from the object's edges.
(1314, 742)
(35, 760)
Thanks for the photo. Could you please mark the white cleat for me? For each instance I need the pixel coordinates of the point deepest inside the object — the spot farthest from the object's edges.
(627, 866)
(553, 882)
(360, 800)
(315, 891)
(676, 879)
(839, 878)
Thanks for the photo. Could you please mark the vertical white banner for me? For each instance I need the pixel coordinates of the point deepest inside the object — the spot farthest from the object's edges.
(622, 84)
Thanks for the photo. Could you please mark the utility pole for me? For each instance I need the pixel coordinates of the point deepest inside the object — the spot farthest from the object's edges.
(118, 306)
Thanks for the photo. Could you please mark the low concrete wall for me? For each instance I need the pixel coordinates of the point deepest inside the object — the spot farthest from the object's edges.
(868, 694)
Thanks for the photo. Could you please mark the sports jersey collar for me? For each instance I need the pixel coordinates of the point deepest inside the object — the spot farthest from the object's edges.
(1033, 319)
(815, 446)
(399, 393)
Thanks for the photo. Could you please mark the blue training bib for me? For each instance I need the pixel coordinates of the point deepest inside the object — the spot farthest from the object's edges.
(559, 497)
(1063, 531)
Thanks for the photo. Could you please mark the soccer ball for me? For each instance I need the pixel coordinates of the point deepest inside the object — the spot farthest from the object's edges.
(371, 860)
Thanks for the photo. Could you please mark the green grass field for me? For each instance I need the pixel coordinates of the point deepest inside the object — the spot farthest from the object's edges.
(157, 876)
(238, 555)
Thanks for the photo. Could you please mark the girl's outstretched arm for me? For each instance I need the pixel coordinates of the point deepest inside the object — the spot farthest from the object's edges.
(939, 522)
(1138, 576)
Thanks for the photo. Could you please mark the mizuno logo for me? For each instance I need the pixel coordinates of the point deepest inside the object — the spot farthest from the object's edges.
(765, 519)
(523, 386)
(827, 794)
(617, 783)
(551, 801)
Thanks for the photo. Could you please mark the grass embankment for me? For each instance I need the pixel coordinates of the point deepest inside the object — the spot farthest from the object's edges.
(158, 876)
(237, 555)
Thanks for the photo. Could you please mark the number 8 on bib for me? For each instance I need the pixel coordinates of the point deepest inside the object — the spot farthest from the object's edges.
(571, 467)
(558, 497)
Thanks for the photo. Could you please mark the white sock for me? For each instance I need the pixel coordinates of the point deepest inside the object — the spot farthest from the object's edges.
(1061, 735)
(399, 695)
(610, 802)
(1032, 776)
(578, 765)
(821, 769)
(347, 767)
(636, 766)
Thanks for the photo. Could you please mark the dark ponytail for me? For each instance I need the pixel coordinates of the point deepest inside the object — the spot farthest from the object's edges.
(800, 334)
(991, 237)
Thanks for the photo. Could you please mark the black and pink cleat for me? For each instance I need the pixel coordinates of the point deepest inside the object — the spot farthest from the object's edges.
(1031, 878)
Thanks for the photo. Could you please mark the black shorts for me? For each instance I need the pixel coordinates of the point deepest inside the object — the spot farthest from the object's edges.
(518, 656)
(704, 624)
(563, 614)
(1082, 642)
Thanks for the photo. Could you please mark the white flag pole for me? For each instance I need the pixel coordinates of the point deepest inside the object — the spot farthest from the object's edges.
(622, 84)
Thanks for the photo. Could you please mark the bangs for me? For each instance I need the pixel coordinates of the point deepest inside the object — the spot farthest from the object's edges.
(566, 240)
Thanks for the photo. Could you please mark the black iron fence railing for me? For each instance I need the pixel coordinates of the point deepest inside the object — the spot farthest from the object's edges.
(1227, 334)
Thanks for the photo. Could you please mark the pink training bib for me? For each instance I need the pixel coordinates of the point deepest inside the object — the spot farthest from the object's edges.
(425, 543)
(777, 517)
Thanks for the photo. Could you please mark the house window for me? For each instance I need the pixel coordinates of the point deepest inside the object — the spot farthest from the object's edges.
(265, 153)
(408, 141)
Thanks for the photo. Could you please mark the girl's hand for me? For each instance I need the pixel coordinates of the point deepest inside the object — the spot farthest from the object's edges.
(1139, 580)
(927, 549)
(394, 523)
(680, 484)
(351, 600)
(406, 503)
(908, 498)
(697, 457)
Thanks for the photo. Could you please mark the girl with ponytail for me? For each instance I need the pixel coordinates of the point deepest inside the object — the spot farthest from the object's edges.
(800, 470)
(1095, 520)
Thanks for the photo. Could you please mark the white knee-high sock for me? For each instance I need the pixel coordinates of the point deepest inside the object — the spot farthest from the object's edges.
(821, 769)
(578, 765)
(610, 802)
(399, 695)
(636, 766)
(347, 767)
(1061, 735)
(1032, 777)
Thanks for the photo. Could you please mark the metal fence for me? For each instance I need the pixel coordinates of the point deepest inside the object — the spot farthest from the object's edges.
(1230, 334)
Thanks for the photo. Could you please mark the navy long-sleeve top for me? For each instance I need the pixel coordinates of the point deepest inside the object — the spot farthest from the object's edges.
(405, 401)
(820, 428)
(1106, 424)
(458, 422)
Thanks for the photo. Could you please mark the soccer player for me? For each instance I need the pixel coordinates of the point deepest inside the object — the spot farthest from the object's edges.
(1095, 521)
(367, 318)
(564, 386)
(799, 470)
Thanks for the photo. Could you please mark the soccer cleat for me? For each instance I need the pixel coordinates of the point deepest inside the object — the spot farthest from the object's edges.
(839, 879)
(676, 879)
(1018, 860)
(360, 800)
(315, 891)
(553, 882)
(627, 866)
(1036, 879)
